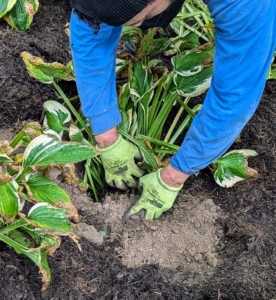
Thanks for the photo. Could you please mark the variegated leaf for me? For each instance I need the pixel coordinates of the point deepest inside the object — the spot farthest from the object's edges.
(193, 85)
(233, 167)
(43, 189)
(45, 150)
(56, 116)
(21, 15)
(5, 6)
(48, 217)
(75, 134)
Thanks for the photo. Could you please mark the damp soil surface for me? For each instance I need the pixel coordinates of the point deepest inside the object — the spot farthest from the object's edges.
(214, 243)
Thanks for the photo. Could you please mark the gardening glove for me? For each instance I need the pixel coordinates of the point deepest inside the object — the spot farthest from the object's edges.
(119, 165)
(157, 197)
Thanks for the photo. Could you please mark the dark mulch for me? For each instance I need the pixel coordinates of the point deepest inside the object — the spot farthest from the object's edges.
(249, 231)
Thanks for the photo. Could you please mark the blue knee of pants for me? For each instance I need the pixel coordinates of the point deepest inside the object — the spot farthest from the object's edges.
(94, 59)
(245, 41)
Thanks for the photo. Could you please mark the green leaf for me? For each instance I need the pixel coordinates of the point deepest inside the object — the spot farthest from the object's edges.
(102, 233)
(141, 81)
(48, 217)
(9, 199)
(150, 45)
(55, 69)
(30, 62)
(21, 15)
(148, 155)
(190, 63)
(45, 190)
(194, 85)
(56, 116)
(45, 150)
(120, 64)
(4, 158)
(5, 6)
(233, 167)
(20, 238)
(75, 134)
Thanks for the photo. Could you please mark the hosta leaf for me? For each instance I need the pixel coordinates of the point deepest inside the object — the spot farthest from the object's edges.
(45, 150)
(37, 255)
(19, 237)
(191, 63)
(21, 15)
(4, 158)
(56, 116)
(120, 64)
(233, 167)
(5, 6)
(75, 134)
(55, 69)
(35, 72)
(194, 85)
(149, 44)
(9, 199)
(141, 81)
(45, 190)
(48, 217)
(148, 155)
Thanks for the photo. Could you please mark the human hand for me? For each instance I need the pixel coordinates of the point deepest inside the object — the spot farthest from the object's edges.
(157, 197)
(119, 165)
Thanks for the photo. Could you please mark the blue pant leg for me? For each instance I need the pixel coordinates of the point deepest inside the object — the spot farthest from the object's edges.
(245, 34)
(94, 59)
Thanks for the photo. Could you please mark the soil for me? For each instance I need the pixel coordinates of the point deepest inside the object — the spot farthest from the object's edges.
(214, 243)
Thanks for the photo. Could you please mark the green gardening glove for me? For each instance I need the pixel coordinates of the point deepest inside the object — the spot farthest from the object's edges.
(157, 197)
(119, 165)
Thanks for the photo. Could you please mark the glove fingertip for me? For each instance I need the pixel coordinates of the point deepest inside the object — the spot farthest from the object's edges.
(128, 214)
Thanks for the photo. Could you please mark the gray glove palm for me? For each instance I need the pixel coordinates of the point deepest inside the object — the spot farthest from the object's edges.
(120, 168)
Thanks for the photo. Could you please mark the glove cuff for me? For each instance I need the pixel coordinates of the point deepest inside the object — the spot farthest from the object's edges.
(111, 147)
(164, 185)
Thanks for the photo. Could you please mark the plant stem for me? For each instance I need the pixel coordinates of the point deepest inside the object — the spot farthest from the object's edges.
(17, 138)
(13, 226)
(176, 119)
(24, 173)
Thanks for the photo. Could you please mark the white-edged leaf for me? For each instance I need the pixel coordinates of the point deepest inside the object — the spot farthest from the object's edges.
(45, 150)
(22, 13)
(190, 63)
(51, 133)
(4, 158)
(194, 85)
(45, 190)
(5, 6)
(56, 116)
(120, 64)
(141, 81)
(75, 134)
(48, 217)
(233, 167)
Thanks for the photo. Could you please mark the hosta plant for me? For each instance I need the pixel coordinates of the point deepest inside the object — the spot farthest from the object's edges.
(147, 99)
(34, 210)
(18, 13)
